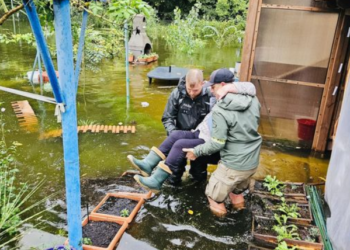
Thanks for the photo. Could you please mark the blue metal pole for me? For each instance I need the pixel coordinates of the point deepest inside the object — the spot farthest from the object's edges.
(80, 48)
(40, 40)
(69, 120)
(127, 65)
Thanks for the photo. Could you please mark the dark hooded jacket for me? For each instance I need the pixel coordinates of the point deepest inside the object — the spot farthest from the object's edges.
(183, 113)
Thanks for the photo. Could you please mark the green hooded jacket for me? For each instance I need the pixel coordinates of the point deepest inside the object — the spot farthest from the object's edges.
(234, 132)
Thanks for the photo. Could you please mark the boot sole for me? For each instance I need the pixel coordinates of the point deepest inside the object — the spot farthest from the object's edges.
(149, 189)
(143, 173)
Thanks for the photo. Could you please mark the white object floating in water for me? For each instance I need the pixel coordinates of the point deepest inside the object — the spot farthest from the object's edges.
(144, 104)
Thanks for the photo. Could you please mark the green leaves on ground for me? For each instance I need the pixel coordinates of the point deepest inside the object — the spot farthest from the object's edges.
(124, 213)
(273, 185)
(286, 232)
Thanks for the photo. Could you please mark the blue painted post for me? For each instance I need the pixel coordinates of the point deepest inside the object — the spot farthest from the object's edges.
(40, 40)
(127, 64)
(80, 48)
(69, 120)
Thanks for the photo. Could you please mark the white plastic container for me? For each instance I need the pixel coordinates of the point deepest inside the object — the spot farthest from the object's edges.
(36, 76)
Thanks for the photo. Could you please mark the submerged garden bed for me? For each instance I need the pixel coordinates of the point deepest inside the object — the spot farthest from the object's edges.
(102, 233)
(271, 186)
(264, 206)
(123, 206)
(268, 233)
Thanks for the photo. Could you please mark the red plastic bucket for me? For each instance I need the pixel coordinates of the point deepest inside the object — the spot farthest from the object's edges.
(306, 129)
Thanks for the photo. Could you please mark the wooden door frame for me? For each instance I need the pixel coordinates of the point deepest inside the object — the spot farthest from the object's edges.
(329, 99)
(327, 105)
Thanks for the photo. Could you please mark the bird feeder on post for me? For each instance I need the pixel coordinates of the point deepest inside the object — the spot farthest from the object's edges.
(139, 42)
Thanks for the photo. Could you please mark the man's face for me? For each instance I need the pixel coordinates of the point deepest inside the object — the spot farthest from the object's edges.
(215, 88)
(194, 91)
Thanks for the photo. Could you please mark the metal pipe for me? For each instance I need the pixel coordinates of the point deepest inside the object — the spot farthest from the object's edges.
(34, 66)
(40, 73)
(80, 48)
(69, 120)
(127, 64)
(44, 51)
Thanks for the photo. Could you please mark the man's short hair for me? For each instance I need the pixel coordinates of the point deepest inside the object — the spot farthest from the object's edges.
(194, 77)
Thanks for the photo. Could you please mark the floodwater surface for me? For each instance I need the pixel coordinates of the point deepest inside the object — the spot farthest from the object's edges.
(178, 218)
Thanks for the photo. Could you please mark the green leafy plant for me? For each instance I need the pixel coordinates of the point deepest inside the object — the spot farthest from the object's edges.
(82, 122)
(220, 37)
(286, 232)
(87, 241)
(283, 246)
(182, 33)
(124, 213)
(62, 232)
(273, 185)
(281, 219)
(13, 195)
(291, 211)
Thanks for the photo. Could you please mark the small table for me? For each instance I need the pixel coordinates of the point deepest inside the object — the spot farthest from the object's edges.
(167, 73)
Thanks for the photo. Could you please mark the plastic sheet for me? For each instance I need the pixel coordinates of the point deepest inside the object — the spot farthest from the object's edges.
(338, 181)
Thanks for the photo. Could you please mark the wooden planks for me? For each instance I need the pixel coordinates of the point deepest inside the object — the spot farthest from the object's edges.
(332, 81)
(94, 129)
(250, 38)
(26, 117)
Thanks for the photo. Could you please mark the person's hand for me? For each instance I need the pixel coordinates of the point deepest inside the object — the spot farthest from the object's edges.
(190, 154)
(228, 88)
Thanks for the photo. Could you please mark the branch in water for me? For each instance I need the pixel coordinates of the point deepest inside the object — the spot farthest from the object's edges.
(10, 12)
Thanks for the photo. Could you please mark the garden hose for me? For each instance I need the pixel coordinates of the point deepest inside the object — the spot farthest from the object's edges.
(318, 214)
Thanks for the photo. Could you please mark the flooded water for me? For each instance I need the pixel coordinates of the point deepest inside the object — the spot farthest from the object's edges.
(164, 221)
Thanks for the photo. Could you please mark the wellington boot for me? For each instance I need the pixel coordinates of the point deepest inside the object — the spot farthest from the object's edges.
(218, 209)
(237, 201)
(156, 180)
(149, 163)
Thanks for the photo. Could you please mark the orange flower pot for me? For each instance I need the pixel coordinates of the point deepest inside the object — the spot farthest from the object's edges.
(116, 238)
(131, 196)
(131, 58)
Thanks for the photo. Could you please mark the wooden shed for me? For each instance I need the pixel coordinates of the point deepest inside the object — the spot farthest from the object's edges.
(296, 52)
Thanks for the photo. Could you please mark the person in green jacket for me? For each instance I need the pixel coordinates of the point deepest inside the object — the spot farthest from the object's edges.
(235, 121)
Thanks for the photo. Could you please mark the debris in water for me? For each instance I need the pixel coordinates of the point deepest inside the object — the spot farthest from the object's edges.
(144, 104)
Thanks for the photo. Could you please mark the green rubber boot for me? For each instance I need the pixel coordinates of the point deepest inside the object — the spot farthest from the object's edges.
(156, 180)
(146, 165)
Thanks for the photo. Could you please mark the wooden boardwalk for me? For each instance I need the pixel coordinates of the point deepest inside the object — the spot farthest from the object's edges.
(26, 117)
(94, 129)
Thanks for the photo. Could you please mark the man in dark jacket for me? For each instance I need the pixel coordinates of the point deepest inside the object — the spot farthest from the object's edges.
(187, 106)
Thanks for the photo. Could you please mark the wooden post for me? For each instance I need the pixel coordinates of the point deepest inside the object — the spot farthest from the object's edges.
(250, 35)
(328, 99)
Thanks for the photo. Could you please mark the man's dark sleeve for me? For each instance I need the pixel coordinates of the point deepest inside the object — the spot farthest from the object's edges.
(170, 113)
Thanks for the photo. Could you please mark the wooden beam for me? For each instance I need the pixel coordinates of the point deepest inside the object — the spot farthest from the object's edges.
(252, 57)
(10, 12)
(248, 39)
(269, 79)
(332, 80)
(302, 8)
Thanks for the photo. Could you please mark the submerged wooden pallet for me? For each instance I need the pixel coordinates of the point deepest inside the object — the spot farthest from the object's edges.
(25, 114)
(94, 129)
